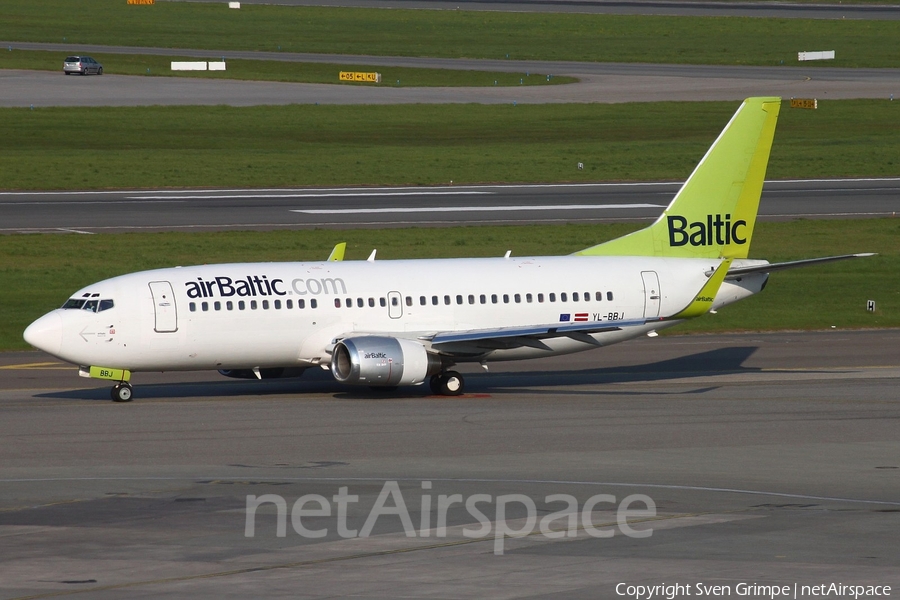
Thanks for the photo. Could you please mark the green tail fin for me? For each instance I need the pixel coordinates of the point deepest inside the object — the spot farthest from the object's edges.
(714, 212)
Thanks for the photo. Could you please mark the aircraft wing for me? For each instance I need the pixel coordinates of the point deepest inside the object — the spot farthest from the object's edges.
(530, 335)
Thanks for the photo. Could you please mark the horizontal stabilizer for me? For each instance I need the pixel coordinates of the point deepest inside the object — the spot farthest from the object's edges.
(768, 268)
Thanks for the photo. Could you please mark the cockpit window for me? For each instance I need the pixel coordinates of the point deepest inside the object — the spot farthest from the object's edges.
(91, 305)
(73, 303)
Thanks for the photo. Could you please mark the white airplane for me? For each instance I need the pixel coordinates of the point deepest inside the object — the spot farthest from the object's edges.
(404, 322)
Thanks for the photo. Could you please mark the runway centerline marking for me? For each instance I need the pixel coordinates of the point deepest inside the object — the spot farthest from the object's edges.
(432, 209)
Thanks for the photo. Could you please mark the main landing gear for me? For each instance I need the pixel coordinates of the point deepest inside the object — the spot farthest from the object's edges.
(448, 383)
(121, 392)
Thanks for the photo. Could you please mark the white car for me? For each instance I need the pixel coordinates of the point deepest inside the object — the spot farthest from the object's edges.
(83, 65)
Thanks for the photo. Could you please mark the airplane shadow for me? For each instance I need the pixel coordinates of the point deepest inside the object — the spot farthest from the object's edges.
(720, 361)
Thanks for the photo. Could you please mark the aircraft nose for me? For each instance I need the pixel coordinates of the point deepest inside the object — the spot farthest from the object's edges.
(45, 333)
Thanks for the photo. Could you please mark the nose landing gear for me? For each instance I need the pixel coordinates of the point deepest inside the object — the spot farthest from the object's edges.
(121, 392)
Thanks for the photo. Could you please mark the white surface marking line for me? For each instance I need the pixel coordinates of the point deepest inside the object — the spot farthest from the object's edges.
(432, 209)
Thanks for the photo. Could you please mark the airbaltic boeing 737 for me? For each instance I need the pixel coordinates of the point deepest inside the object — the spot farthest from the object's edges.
(404, 322)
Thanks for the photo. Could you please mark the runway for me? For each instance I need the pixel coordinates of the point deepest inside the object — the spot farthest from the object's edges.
(46, 89)
(211, 209)
(769, 458)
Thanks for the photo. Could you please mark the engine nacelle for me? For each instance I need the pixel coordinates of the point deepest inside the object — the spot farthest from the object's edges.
(376, 360)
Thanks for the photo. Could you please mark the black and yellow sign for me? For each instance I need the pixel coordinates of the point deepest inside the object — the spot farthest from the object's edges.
(141, 1)
(357, 76)
(804, 103)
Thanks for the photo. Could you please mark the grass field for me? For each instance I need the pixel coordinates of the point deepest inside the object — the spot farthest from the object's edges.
(543, 36)
(38, 272)
(421, 144)
(273, 70)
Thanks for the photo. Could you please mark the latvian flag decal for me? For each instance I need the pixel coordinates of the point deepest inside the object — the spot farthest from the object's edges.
(581, 316)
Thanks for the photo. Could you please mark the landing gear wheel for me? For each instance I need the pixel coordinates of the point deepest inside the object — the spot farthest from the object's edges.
(451, 384)
(435, 384)
(121, 392)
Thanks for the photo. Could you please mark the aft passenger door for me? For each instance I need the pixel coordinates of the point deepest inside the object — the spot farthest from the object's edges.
(164, 307)
(651, 294)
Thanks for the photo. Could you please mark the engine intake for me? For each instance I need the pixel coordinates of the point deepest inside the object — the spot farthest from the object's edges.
(388, 361)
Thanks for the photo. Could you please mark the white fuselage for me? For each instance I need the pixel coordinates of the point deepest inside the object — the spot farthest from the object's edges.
(237, 316)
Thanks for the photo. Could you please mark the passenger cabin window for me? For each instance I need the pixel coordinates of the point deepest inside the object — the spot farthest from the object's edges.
(372, 302)
(301, 303)
(447, 300)
(505, 298)
(574, 296)
(552, 297)
(204, 306)
(528, 298)
(409, 301)
(217, 305)
(337, 302)
(518, 298)
(278, 304)
(287, 304)
(609, 296)
(242, 305)
(434, 300)
(192, 306)
(395, 301)
(471, 298)
(230, 305)
(459, 299)
(598, 296)
(563, 297)
(360, 302)
(265, 304)
(253, 305)
(382, 302)
(314, 303)
(493, 298)
(540, 297)
(482, 299)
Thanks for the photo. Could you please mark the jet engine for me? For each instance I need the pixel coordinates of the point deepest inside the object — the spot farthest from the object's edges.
(382, 361)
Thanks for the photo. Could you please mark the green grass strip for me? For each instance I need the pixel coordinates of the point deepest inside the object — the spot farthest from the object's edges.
(273, 70)
(448, 33)
(266, 146)
(38, 272)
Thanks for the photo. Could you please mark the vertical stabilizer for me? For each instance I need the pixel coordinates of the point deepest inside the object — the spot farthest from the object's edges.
(714, 212)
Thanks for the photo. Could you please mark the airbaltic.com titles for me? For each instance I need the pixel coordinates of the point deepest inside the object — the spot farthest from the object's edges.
(671, 591)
